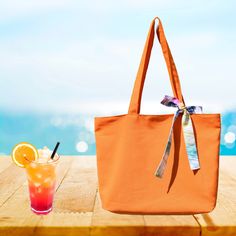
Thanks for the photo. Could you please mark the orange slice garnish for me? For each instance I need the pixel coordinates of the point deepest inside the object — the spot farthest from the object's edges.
(23, 153)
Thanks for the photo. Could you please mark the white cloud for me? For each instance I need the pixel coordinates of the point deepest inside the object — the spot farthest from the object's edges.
(12, 9)
(17, 8)
(84, 74)
(80, 79)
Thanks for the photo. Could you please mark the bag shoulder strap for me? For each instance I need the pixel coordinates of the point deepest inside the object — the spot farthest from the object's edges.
(134, 107)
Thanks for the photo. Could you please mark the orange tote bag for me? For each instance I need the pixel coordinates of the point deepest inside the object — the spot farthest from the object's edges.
(158, 164)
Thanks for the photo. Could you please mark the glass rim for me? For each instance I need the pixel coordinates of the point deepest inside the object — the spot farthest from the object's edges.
(54, 161)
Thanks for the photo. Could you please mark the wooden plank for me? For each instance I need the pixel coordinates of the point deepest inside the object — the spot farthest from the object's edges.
(15, 215)
(222, 220)
(11, 179)
(69, 224)
(228, 165)
(178, 225)
(62, 169)
(74, 203)
(5, 162)
(78, 190)
(105, 223)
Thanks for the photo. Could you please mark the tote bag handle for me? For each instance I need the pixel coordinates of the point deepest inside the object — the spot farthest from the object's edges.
(134, 107)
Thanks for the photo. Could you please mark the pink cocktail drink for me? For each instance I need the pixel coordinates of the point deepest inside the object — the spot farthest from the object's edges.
(42, 182)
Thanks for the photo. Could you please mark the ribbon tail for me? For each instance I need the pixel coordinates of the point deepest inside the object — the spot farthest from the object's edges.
(162, 166)
(160, 169)
(190, 141)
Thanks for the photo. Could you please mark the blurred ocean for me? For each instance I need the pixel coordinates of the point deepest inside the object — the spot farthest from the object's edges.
(75, 132)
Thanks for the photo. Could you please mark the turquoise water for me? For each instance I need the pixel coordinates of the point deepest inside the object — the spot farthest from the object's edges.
(75, 132)
(45, 130)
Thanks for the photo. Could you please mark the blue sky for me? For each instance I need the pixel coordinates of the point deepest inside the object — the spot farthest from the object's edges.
(82, 56)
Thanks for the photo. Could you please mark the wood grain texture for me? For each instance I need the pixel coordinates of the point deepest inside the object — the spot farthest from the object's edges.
(78, 190)
(111, 224)
(178, 225)
(4, 162)
(16, 213)
(222, 220)
(11, 179)
(78, 210)
(108, 223)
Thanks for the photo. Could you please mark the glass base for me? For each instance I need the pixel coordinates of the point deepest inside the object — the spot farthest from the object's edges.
(45, 212)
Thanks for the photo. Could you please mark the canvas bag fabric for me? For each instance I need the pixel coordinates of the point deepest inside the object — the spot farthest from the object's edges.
(130, 146)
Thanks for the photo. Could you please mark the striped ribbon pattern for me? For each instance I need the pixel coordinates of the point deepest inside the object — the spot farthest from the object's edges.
(188, 134)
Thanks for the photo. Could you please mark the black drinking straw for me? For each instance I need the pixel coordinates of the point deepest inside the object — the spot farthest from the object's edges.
(55, 150)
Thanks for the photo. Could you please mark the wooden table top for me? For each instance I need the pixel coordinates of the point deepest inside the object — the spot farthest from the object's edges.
(77, 206)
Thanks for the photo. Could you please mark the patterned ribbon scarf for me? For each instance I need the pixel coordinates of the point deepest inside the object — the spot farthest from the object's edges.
(188, 134)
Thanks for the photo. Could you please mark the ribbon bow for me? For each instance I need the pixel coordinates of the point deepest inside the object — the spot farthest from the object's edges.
(188, 134)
